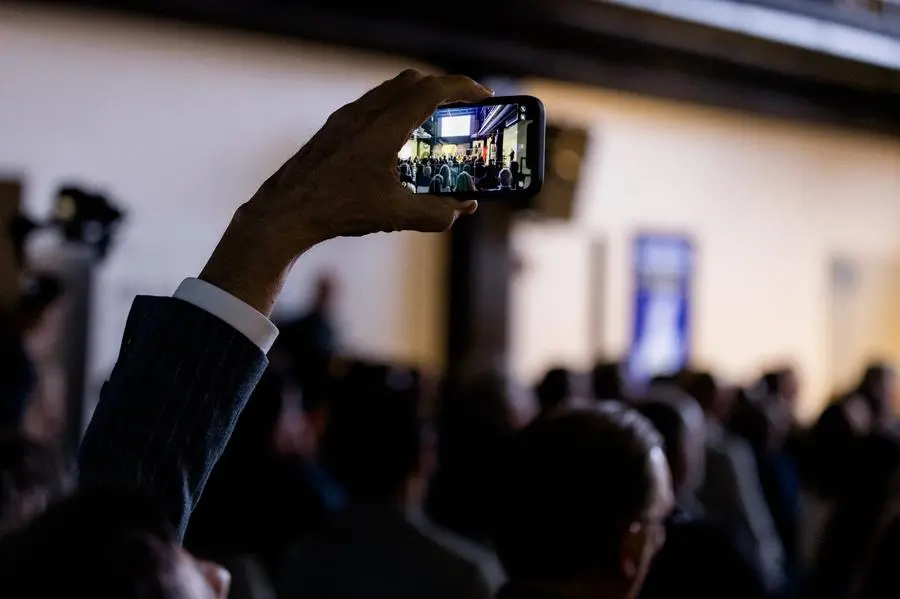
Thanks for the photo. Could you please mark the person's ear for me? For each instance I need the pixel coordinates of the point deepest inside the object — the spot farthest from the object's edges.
(632, 552)
(218, 578)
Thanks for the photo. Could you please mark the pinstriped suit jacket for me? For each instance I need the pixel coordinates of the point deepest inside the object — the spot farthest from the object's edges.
(171, 403)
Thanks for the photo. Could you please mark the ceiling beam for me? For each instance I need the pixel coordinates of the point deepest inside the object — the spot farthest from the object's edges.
(580, 41)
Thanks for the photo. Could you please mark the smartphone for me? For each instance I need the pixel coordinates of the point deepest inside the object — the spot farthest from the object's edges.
(492, 149)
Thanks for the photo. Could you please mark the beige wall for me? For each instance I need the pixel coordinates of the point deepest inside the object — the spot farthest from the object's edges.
(181, 124)
(768, 203)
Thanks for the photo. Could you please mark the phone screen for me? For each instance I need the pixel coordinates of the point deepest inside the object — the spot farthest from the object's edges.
(489, 148)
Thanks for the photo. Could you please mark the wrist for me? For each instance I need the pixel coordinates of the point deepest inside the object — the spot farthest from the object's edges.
(252, 262)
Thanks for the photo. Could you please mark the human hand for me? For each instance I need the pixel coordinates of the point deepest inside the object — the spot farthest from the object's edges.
(343, 182)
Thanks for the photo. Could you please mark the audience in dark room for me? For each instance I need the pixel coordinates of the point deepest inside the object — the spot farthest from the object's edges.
(877, 579)
(32, 477)
(381, 544)
(208, 471)
(561, 532)
(731, 493)
(18, 377)
(765, 423)
(554, 390)
(608, 381)
(270, 488)
(868, 496)
(306, 345)
(699, 558)
(474, 424)
(853, 416)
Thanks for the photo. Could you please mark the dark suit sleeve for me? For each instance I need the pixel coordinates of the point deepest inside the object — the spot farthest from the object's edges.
(171, 403)
(701, 561)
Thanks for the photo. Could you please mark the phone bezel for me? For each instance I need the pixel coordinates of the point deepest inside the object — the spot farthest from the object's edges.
(534, 109)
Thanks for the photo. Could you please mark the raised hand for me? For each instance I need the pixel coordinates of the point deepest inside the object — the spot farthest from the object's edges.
(343, 182)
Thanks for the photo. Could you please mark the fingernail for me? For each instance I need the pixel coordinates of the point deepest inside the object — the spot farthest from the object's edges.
(487, 90)
(469, 207)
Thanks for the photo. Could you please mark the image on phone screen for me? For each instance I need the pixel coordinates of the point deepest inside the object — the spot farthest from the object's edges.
(478, 149)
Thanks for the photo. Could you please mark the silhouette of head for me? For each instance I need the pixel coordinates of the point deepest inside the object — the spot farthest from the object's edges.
(105, 544)
(877, 386)
(437, 185)
(715, 401)
(782, 382)
(554, 390)
(606, 380)
(680, 422)
(585, 496)
(464, 182)
(374, 439)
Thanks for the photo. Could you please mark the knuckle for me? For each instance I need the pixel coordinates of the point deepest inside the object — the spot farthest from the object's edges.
(457, 83)
(410, 75)
(338, 114)
(431, 86)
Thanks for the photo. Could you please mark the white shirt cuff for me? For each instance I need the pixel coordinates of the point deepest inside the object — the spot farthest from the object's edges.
(224, 306)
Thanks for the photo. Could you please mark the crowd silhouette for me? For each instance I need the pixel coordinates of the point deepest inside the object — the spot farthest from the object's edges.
(459, 175)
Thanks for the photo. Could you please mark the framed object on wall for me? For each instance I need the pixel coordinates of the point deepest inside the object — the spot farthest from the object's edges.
(566, 149)
(663, 266)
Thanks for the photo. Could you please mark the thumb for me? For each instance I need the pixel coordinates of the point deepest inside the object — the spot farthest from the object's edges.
(430, 213)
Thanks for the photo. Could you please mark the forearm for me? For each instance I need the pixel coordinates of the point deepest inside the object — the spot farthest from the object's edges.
(248, 264)
(185, 371)
(184, 374)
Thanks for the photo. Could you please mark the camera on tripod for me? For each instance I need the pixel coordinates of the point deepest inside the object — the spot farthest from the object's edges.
(81, 216)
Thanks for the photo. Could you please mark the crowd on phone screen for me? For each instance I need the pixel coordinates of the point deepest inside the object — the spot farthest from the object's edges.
(350, 478)
(445, 175)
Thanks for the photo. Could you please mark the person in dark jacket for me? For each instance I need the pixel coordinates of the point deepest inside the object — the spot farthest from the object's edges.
(18, 377)
(700, 559)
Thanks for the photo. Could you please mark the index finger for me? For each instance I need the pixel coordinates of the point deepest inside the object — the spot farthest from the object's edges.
(349, 120)
(379, 98)
(375, 100)
(399, 121)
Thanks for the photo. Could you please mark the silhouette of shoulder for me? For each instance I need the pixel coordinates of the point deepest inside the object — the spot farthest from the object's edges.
(700, 559)
(375, 554)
